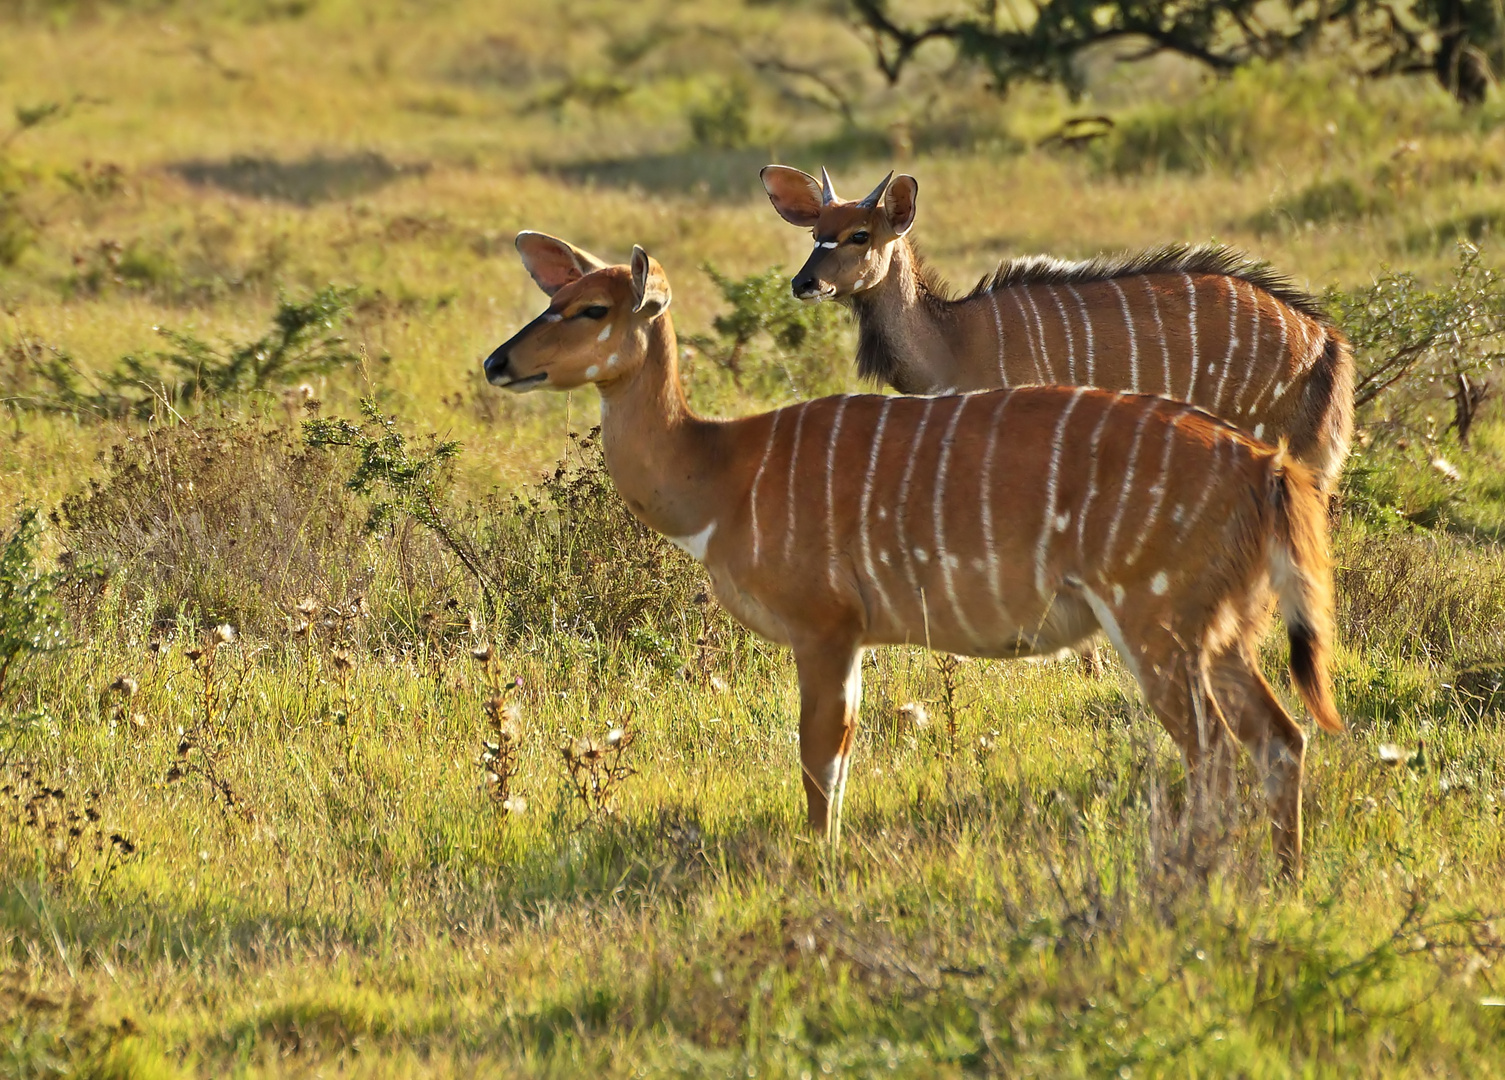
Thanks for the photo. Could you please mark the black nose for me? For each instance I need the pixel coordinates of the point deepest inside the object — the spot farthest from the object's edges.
(496, 364)
(803, 285)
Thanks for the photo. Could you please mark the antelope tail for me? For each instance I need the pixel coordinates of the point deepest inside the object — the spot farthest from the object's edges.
(1301, 572)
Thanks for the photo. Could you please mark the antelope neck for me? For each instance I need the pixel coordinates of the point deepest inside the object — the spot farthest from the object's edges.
(662, 457)
(898, 329)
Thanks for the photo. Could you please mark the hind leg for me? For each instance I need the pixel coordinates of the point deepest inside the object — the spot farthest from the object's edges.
(1274, 740)
(1173, 678)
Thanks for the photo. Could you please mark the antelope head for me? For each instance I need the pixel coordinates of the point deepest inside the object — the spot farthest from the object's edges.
(854, 241)
(595, 329)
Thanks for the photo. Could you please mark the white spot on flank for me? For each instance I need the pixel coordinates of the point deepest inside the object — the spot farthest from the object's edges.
(882, 513)
(697, 543)
(1178, 513)
(1159, 583)
(883, 557)
(1063, 520)
(592, 371)
(611, 361)
(921, 556)
(1118, 594)
(605, 333)
(1259, 431)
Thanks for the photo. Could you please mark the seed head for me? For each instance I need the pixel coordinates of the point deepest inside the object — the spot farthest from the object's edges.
(912, 714)
(301, 630)
(342, 661)
(614, 737)
(483, 654)
(125, 685)
(308, 608)
(224, 633)
(514, 804)
(194, 653)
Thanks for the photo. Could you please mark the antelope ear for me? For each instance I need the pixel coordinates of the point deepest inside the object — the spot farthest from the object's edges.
(552, 262)
(899, 203)
(650, 288)
(795, 195)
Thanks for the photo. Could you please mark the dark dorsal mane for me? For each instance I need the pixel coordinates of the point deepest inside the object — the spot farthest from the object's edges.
(1173, 259)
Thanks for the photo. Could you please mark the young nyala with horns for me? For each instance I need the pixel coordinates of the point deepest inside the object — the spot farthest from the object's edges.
(1009, 523)
(1198, 324)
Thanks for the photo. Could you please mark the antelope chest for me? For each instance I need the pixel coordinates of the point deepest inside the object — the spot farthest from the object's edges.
(746, 608)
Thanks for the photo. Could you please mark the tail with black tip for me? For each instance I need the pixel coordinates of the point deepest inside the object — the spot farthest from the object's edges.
(1301, 571)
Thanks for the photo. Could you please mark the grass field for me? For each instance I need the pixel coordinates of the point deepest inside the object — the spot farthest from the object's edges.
(378, 828)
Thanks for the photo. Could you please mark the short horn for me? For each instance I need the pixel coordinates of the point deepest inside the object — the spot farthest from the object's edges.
(827, 192)
(876, 194)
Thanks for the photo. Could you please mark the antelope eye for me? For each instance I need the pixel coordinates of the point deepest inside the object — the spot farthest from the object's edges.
(595, 311)
(858, 237)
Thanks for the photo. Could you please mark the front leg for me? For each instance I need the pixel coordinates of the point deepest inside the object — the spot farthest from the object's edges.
(830, 692)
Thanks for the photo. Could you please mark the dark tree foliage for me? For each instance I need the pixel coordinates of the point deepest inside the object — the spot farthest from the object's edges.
(1457, 41)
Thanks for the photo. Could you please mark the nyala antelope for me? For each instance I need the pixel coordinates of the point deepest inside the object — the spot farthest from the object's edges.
(999, 524)
(1198, 324)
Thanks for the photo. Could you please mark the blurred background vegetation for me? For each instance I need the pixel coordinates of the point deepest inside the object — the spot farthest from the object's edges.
(274, 799)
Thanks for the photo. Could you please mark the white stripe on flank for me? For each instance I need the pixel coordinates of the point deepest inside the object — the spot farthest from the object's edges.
(901, 511)
(794, 457)
(1253, 361)
(1191, 322)
(1047, 526)
(985, 490)
(773, 429)
(1097, 436)
(1165, 346)
(1214, 473)
(1123, 302)
(1233, 342)
(1029, 337)
(1123, 492)
(1086, 322)
(830, 506)
(867, 500)
(1280, 358)
(1049, 373)
(938, 512)
(1157, 490)
(1003, 375)
(1055, 298)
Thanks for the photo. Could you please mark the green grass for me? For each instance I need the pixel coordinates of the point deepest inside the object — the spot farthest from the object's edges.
(312, 875)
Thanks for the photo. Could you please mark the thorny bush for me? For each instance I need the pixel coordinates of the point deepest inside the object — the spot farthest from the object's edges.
(303, 340)
(564, 559)
(230, 522)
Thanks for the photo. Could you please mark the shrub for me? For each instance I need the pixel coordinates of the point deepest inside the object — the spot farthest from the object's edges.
(302, 341)
(229, 523)
(1417, 346)
(566, 560)
(772, 340)
(31, 621)
(1259, 113)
